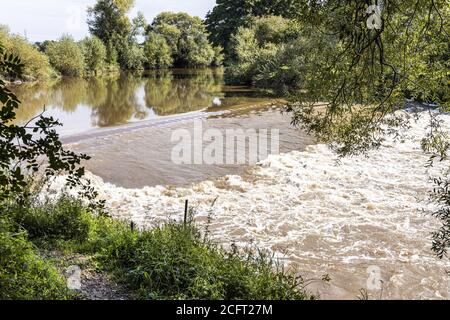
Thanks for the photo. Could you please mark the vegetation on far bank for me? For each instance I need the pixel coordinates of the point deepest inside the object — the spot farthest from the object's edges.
(117, 43)
(345, 77)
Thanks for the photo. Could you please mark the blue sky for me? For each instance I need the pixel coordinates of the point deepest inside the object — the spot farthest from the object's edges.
(49, 19)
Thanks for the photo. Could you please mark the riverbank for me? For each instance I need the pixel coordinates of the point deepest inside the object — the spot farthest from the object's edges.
(139, 154)
(318, 215)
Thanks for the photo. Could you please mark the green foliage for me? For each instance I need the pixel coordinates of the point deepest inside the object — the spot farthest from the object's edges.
(111, 56)
(284, 71)
(157, 52)
(131, 56)
(254, 46)
(108, 21)
(246, 50)
(24, 275)
(200, 54)
(175, 262)
(139, 26)
(35, 64)
(344, 78)
(66, 57)
(441, 197)
(187, 38)
(353, 76)
(94, 52)
(25, 147)
(42, 46)
(219, 57)
(229, 15)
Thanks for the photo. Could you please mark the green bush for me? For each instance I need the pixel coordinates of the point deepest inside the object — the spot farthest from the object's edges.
(284, 72)
(256, 47)
(219, 57)
(24, 275)
(157, 52)
(35, 64)
(131, 56)
(65, 219)
(175, 262)
(66, 57)
(187, 37)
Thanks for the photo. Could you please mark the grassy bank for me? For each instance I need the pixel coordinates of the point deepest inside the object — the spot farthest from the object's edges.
(173, 261)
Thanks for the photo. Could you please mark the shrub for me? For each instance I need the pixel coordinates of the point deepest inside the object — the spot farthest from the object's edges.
(175, 262)
(35, 64)
(245, 51)
(24, 275)
(187, 38)
(94, 52)
(66, 57)
(284, 72)
(219, 57)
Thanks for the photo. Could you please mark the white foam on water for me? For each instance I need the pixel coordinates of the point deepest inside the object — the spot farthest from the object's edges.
(320, 216)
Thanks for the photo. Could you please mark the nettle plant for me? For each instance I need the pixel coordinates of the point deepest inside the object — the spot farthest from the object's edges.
(33, 149)
(355, 77)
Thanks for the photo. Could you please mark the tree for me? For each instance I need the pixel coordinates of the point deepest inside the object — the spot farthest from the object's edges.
(108, 21)
(368, 67)
(94, 52)
(66, 57)
(157, 52)
(131, 56)
(139, 26)
(229, 15)
(187, 37)
(219, 56)
(35, 64)
(111, 56)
